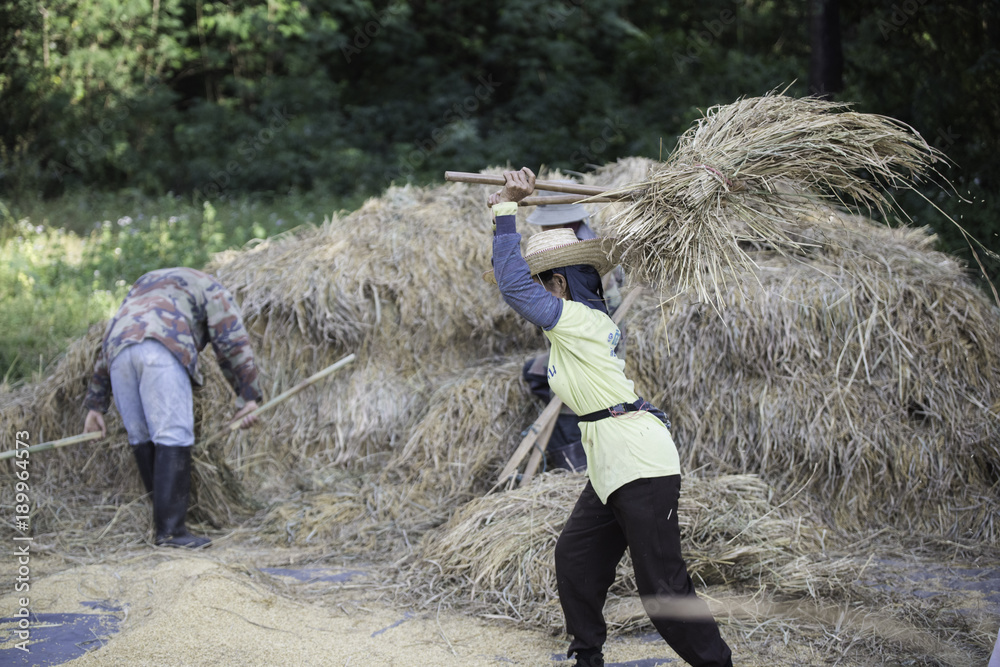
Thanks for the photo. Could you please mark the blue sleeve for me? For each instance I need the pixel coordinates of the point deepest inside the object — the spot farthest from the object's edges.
(528, 299)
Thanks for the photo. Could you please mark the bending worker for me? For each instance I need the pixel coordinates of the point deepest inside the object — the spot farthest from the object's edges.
(565, 449)
(149, 360)
(630, 500)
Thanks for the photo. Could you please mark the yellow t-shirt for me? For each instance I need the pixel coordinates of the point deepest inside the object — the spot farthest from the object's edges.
(585, 373)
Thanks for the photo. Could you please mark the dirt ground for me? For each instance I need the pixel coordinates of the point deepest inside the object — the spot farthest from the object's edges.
(241, 603)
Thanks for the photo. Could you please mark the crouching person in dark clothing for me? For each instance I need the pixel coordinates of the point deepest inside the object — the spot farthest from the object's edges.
(148, 361)
(565, 448)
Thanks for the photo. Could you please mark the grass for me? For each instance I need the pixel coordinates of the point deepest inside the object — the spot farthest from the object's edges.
(66, 264)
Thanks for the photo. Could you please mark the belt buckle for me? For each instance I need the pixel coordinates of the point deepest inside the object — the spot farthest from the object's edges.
(617, 410)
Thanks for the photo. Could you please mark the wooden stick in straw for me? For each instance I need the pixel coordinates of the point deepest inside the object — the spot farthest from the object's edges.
(41, 447)
(541, 446)
(280, 398)
(541, 430)
(540, 200)
(550, 413)
(230, 483)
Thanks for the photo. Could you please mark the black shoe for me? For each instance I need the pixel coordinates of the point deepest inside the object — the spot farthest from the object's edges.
(186, 540)
(171, 488)
(144, 454)
(592, 657)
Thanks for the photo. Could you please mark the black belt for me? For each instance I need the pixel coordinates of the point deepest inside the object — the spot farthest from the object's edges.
(622, 408)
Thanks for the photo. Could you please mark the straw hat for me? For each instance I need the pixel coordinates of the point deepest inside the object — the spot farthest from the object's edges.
(546, 215)
(554, 248)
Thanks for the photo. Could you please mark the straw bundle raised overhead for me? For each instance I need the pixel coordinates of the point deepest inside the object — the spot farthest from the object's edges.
(758, 161)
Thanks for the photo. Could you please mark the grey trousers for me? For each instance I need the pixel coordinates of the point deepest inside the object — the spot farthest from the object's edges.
(152, 392)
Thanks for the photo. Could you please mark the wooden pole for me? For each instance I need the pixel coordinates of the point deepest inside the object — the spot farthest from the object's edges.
(282, 397)
(213, 450)
(41, 447)
(94, 435)
(550, 186)
(540, 200)
(539, 450)
(550, 412)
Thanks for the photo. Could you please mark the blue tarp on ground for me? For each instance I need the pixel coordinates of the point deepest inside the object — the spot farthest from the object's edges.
(59, 638)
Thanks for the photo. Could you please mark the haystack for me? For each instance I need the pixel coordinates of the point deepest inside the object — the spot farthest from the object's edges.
(867, 370)
(867, 367)
(396, 282)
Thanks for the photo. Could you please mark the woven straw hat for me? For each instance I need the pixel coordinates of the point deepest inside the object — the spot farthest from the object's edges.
(546, 215)
(554, 248)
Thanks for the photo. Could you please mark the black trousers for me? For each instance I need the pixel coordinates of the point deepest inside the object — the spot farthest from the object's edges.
(642, 516)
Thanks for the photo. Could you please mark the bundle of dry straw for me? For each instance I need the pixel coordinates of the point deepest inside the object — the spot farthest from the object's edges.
(866, 368)
(757, 162)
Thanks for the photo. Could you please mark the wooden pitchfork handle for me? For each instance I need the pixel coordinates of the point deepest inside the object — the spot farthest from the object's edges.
(551, 186)
(588, 193)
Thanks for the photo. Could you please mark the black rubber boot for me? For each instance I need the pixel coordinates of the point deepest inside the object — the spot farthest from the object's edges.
(590, 657)
(145, 453)
(171, 488)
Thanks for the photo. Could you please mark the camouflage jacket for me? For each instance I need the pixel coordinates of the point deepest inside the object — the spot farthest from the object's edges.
(184, 309)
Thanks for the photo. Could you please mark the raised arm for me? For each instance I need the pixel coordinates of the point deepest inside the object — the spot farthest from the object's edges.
(528, 299)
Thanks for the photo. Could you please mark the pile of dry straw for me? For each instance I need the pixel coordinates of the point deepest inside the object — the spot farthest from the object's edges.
(496, 553)
(864, 372)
